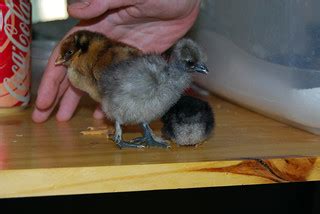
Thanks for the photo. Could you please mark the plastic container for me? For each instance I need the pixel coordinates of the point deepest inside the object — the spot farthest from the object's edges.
(264, 55)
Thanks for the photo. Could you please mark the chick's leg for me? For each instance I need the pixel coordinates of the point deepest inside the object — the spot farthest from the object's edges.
(118, 139)
(150, 139)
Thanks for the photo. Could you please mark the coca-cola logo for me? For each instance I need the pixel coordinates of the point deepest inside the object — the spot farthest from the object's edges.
(1, 20)
(22, 12)
(17, 28)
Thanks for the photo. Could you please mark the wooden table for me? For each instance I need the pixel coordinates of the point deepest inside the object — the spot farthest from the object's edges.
(53, 158)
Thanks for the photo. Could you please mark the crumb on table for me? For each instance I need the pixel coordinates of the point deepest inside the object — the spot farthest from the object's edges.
(98, 131)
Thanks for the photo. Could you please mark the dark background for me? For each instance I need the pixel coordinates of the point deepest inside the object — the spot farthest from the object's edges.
(290, 198)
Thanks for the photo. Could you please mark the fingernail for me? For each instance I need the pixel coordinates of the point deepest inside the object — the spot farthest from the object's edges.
(98, 114)
(78, 3)
(39, 116)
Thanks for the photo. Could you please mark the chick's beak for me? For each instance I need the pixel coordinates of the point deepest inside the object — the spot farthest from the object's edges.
(200, 68)
(60, 60)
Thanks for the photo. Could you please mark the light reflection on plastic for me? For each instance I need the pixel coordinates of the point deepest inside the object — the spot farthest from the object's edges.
(48, 10)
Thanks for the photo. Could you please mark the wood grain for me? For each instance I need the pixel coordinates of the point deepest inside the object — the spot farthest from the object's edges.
(62, 181)
(277, 170)
(54, 158)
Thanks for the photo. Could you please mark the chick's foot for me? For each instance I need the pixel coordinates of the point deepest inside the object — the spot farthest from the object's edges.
(151, 142)
(121, 143)
(149, 139)
(124, 144)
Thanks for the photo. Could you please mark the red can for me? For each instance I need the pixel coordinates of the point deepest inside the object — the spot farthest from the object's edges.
(15, 41)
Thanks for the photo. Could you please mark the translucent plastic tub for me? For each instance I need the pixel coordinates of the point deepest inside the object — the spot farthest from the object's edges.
(265, 55)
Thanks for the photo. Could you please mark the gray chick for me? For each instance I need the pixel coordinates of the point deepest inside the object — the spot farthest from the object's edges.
(143, 88)
(189, 122)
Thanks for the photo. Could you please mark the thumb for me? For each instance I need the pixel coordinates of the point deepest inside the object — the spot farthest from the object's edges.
(98, 113)
(87, 9)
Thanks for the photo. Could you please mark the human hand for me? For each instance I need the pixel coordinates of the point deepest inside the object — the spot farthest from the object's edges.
(150, 25)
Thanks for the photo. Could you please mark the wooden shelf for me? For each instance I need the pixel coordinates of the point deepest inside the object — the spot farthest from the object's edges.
(246, 148)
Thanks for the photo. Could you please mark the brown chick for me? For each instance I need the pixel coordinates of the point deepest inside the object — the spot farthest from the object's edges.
(87, 54)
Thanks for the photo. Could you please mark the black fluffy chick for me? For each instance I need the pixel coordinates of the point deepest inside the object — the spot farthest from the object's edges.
(141, 89)
(189, 122)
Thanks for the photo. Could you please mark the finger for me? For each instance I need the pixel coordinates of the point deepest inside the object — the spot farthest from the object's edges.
(51, 79)
(69, 103)
(41, 115)
(87, 9)
(98, 113)
(50, 82)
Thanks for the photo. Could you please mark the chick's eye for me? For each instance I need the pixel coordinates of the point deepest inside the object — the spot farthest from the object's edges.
(190, 63)
(69, 53)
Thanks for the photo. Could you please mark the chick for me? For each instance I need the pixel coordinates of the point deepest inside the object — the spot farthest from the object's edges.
(143, 88)
(87, 54)
(189, 122)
